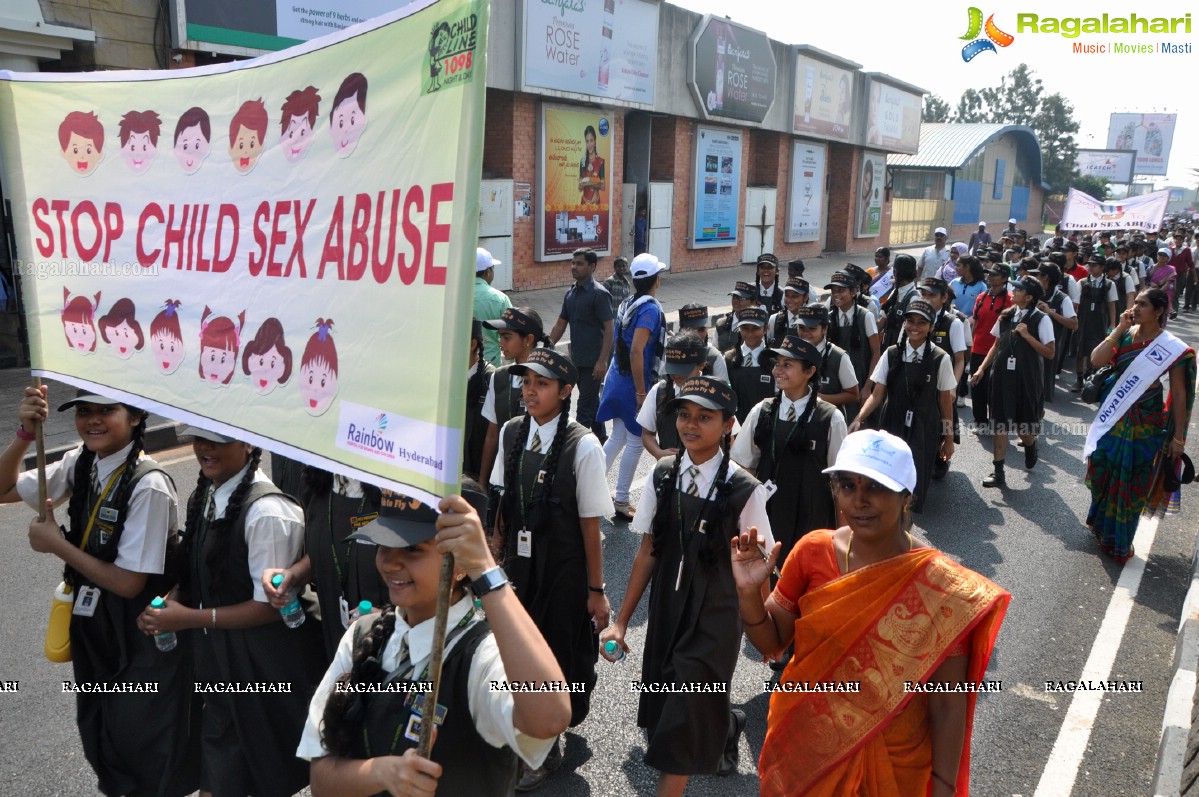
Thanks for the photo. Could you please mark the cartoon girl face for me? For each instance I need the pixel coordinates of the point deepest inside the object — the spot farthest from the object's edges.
(296, 138)
(139, 151)
(123, 340)
(266, 370)
(168, 352)
(191, 149)
(349, 120)
(81, 335)
(318, 386)
(245, 150)
(216, 365)
(81, 154)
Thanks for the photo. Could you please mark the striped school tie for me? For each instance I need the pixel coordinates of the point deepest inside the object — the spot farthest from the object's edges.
(535, 443)
(693, 487)
(790, 413)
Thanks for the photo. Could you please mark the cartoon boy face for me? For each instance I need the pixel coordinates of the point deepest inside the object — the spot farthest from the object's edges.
(191, 149)
(81, 154)
(296, 138)
(349, 120)
(81, 336)
(266, 370)
(318, 387)
(217, 365)
(245, 150)
(168, 352)
(139, 151)
(123, 340)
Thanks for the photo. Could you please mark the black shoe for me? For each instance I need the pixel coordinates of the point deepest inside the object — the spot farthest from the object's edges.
(997, 478)
(1077, 387)
(1030, 455)
(530, 779)
(728, 764)
(940, 468)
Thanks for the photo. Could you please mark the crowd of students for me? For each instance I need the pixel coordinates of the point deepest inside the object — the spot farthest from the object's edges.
(796, 426)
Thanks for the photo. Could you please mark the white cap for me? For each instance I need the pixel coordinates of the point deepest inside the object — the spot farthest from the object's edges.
(1011, 221)
(646, 265)
(484, 260)
(879, 456)
(940, 231)
(982, 224)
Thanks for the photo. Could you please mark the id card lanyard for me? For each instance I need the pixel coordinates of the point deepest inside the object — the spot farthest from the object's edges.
(698, 525)
(91, 521)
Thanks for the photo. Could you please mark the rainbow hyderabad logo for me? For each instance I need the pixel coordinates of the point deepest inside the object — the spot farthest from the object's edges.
(381, 422)
(981, 45)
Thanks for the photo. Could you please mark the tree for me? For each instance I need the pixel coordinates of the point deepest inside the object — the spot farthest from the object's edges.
(1092, 186)
(935, 109)
(1019, 100)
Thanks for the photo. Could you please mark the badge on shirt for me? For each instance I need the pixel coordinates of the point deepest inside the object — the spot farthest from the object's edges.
(109, 514)
(765, 379)
(824, 380)
(358, 521)
(343, 609)
(524, 543)
(771, 488)
(907, 419)
(412, 731)
(87, 602)
(1011, 363)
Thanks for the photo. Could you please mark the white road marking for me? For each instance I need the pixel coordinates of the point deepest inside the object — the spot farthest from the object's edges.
(1061, 770)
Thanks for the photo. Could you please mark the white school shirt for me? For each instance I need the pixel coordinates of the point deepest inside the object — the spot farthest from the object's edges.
(1111, 289)
(490, 710)
(647, 416)
(1067, 308)
(749, 357)
(720, 369)
(153, 508)
(945, 380)
(274, 529)
(745, 451)
(753, 514)
(957, 334)
(1044, 329)
(845, 372)
(488, 410)
(591, 479)
(843, 319)
(1073, 289)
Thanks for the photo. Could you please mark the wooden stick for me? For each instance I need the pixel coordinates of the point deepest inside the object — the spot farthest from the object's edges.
(429, 713)
(40, 437)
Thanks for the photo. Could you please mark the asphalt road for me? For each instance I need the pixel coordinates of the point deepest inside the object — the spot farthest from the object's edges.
(1029, 538)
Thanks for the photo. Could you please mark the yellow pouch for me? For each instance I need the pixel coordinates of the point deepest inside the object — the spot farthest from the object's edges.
(58, 632)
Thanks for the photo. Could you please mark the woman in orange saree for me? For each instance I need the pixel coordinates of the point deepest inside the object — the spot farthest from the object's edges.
(891, 643)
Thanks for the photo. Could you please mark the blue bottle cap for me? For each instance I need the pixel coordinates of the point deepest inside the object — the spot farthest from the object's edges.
(364, 607)
(157, 603)
(276, 579)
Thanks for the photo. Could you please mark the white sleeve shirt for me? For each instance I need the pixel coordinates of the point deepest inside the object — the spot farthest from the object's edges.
(591, 475)
(152, 513)
(945, 379)
(491, 710)
(488, 410)
(1044, 329)
(647, 416)
(753, 515)
(957, 335)
(720, 368)
(745, 451)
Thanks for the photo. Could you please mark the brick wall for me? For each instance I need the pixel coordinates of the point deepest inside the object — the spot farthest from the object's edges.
(124, 33)
(844, 168)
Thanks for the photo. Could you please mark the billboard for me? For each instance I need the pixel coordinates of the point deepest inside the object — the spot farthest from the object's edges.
(870, 195)
(732, 70)
(716, 204)
(246, 246)
(606, 49)
(1113, 165)
(893, 118)
(1150, 134)
(574, 181)
(824, 99)
(805, 208)
(244, 28)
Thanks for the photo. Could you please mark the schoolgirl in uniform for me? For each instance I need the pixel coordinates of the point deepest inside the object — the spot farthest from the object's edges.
(749, 371)
(767, 292)
(1023, 336)
(341, 569)
(1060, 310)
(1096, 315)
(914, 386)
(788, 442)
(781, 324)
(864, 298)
(477, 386)
(520, 332)
(238, 525)
(364, 742)
(895, 302)
(741, 297)
(555, 490)
(684, 359)
(949, 334)
(691, 505)
(121, 516)
(695, 318)
(851, 326)
(835, 378)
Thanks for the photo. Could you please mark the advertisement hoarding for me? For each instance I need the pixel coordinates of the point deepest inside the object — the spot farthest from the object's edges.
(893, 118)
(574, 183)
(805, 201)
(1150, 134)
(1113, 165)
(732, 71)
(870, 195)
(716, 203)
(824, 99)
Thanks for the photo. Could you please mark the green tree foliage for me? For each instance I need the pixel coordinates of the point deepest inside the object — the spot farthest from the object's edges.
(1092, 186)
(935, 109)
(1020, 99)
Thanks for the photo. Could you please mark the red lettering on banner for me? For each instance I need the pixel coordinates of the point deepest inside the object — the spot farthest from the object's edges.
(86, 252)
(381, 265)
(228, 213)
(356, 265)
(261, 214)
(407, 271)
(274, 268)
(150, 211)
(201, 263)
(297, 250)
(45, 247)
(438, 233)
(61, 206)
(334, 250)
(114, 225)
(173, 237)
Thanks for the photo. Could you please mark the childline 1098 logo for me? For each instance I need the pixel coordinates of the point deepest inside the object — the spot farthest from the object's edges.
(450, 60)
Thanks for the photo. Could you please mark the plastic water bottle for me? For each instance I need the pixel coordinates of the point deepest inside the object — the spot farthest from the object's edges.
(58, 632)
(364, 608)
(293, 612)
(165, 641)
(613, 652)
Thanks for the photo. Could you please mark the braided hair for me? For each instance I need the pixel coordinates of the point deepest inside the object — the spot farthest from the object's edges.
(345, 709)
(549, 467)
(228, 547)
(78, 509)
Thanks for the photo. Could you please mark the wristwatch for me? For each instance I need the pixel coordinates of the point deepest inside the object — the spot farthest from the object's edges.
(492, 579)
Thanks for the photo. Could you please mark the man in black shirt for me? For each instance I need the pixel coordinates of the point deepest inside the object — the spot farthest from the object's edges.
(587, 308)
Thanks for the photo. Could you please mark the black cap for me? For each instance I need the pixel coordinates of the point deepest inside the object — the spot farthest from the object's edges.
(516, 321)
(857, 272)
(754, 316)
(921, 308)
(85, 396)
(693, 316)
(795, 268)
(1096, 260)
(1032, 286)
(402, 521)
(798, 284)
(708, 392)
(766, 257)
(813, 315)
(934, 284)
(841, 279)
(682, 360)
(745, 290)
(797, 348)
(204, 434)
(548, 363)
(1070, 246)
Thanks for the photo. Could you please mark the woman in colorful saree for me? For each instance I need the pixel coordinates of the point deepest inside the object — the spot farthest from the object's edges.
(869, 610)
(1136, 436)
